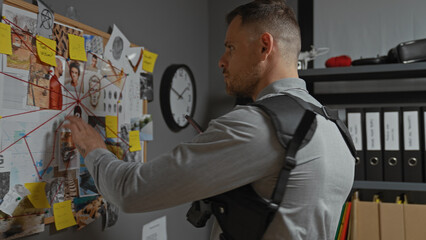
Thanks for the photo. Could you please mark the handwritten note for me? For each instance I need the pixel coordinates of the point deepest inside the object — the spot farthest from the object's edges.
(134, 141)
(111, 126)
(148, 62)
(5, 39)
(38, 194)
(76, 46)
(12, 199)
(46, 50)
(63, 215)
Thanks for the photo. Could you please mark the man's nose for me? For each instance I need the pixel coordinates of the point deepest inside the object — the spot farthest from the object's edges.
(221, 62)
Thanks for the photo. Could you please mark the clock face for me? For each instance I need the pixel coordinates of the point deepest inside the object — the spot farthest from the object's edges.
(177, 96)
(181, 96)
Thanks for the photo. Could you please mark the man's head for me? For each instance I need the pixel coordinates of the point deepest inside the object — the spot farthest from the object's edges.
(94, 60)
(74, 73)
(262, 45)
(94, 90)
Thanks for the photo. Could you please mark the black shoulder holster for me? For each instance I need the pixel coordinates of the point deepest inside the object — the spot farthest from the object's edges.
(241, 213)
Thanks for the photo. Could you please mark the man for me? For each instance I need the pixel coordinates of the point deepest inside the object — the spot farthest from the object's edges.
(260, 61)
(94, 90)
(93, 65)
(55, 97)
(74, 71)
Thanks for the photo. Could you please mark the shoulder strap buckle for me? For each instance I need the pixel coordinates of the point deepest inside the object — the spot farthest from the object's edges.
(289, 163)
(324, 110)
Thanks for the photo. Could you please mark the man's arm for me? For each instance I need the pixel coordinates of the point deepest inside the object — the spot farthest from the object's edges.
(229, 154)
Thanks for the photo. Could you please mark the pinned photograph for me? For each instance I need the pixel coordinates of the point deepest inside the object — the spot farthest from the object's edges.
(23, 44)
(128, 156)
(68, 152)
(73, 76)
(60, 33)
(93, 62)
(145, 127)
(116, 46)
(147, 86)
(38, 84)
(94, 44)
(92, 97)
(56, 98)
(90, 211)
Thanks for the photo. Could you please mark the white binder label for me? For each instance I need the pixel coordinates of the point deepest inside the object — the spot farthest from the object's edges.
(411, 130)
(391, 127)
(372, 127)
(354, 127)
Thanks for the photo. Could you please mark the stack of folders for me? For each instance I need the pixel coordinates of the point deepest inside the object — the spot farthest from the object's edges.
(390, 143)
(376, 220)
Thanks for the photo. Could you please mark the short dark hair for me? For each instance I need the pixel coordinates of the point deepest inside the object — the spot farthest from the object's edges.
(273, 16)
(75, 65)
(95, 57)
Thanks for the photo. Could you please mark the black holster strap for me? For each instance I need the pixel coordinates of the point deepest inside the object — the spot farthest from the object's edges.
(290, 161)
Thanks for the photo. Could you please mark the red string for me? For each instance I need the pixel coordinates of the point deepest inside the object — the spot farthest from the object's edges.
(109, 84)
(32, 158)
(102, 123)
(54, 145)
(37, 85)
(32, 49)
(38, 110)
(34, 129)
(24, 215)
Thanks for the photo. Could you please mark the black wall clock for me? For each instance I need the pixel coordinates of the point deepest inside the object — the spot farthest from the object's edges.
(177, 96)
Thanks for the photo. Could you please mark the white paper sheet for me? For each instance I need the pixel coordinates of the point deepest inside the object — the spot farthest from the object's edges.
(155, 230)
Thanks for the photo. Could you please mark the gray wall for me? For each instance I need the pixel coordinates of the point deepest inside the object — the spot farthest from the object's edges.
(178, 32)
(219, 102)
(366, 28)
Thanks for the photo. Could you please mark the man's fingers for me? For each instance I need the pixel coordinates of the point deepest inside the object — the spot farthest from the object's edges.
(75, 124)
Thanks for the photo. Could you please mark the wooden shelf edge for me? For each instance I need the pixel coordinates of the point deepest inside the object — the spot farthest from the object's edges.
(396, 186)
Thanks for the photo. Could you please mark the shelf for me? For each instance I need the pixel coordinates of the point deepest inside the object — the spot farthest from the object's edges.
(366, 72)
(396, 186)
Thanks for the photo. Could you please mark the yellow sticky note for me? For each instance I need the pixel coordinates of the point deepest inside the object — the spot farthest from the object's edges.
(5, 39)
(46, 50)
(111, 126)
(37, 194)
(134, 141)
(149, 59)
(63, 215)
(76, 46)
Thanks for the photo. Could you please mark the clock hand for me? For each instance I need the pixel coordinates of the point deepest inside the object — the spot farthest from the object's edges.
(180, 96)
(183, 91)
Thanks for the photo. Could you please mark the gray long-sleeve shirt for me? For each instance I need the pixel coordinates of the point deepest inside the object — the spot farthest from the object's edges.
(236, 149)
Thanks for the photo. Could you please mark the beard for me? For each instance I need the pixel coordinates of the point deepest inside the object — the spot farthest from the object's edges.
(243, 84)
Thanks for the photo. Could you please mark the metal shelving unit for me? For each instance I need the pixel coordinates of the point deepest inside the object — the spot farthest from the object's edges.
(384, 72)
(403, 73)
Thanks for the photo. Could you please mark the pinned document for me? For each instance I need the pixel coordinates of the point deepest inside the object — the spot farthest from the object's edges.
(155, 230)
(64, 217)
(111, 126)
(5, 39)
(12, 199)
(148, 61)
(77, 50)
(37, 194)
(46, 50)
(134, 142)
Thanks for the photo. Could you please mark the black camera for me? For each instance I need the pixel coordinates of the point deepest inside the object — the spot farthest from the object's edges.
(199, 213)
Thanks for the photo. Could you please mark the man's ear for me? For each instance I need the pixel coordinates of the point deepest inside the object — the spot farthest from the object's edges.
(267, 42)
